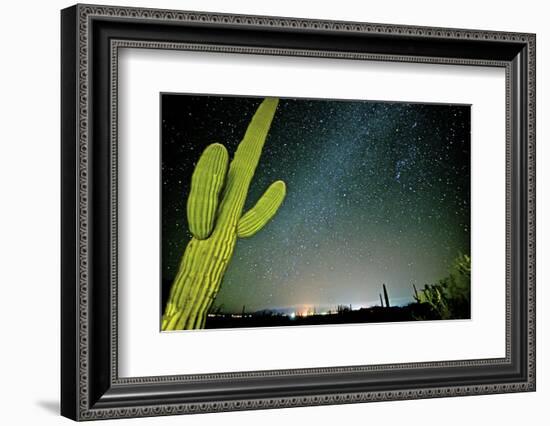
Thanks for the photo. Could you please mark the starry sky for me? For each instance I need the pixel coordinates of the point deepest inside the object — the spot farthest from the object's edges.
(377, 192)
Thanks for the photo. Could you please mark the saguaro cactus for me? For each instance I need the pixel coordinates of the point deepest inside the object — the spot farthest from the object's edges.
(214, 212)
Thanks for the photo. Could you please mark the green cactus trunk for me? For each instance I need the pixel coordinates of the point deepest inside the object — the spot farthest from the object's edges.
(215, 225)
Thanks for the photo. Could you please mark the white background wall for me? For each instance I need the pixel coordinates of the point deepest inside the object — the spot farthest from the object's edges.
(29, 211)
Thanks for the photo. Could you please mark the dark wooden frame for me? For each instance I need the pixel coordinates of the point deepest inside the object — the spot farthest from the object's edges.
(90, 386)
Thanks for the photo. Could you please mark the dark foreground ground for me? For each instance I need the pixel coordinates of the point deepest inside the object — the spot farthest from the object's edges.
(412, 312)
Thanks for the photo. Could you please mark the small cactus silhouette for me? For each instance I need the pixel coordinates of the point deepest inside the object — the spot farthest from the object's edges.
(214, 212)
(386, 297)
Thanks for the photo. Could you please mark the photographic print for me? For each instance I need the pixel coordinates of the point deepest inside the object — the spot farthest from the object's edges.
(291, 190)
(295, 211)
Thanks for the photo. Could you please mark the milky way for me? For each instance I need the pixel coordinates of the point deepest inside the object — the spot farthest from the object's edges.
(376, 193)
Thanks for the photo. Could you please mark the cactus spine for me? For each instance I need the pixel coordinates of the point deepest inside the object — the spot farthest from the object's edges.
(214, 211)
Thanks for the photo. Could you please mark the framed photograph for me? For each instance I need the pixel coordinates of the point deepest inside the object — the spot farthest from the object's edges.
(263, 212)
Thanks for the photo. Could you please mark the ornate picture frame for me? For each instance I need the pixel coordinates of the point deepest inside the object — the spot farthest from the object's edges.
(91, 38)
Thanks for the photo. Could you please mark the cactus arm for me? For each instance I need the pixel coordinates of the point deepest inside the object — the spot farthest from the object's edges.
(245, 161)
(386, 297)
(416, 295)
(266, 207)
(206, 184)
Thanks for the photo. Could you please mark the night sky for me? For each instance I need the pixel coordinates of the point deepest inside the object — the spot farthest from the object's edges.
(377, 192)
